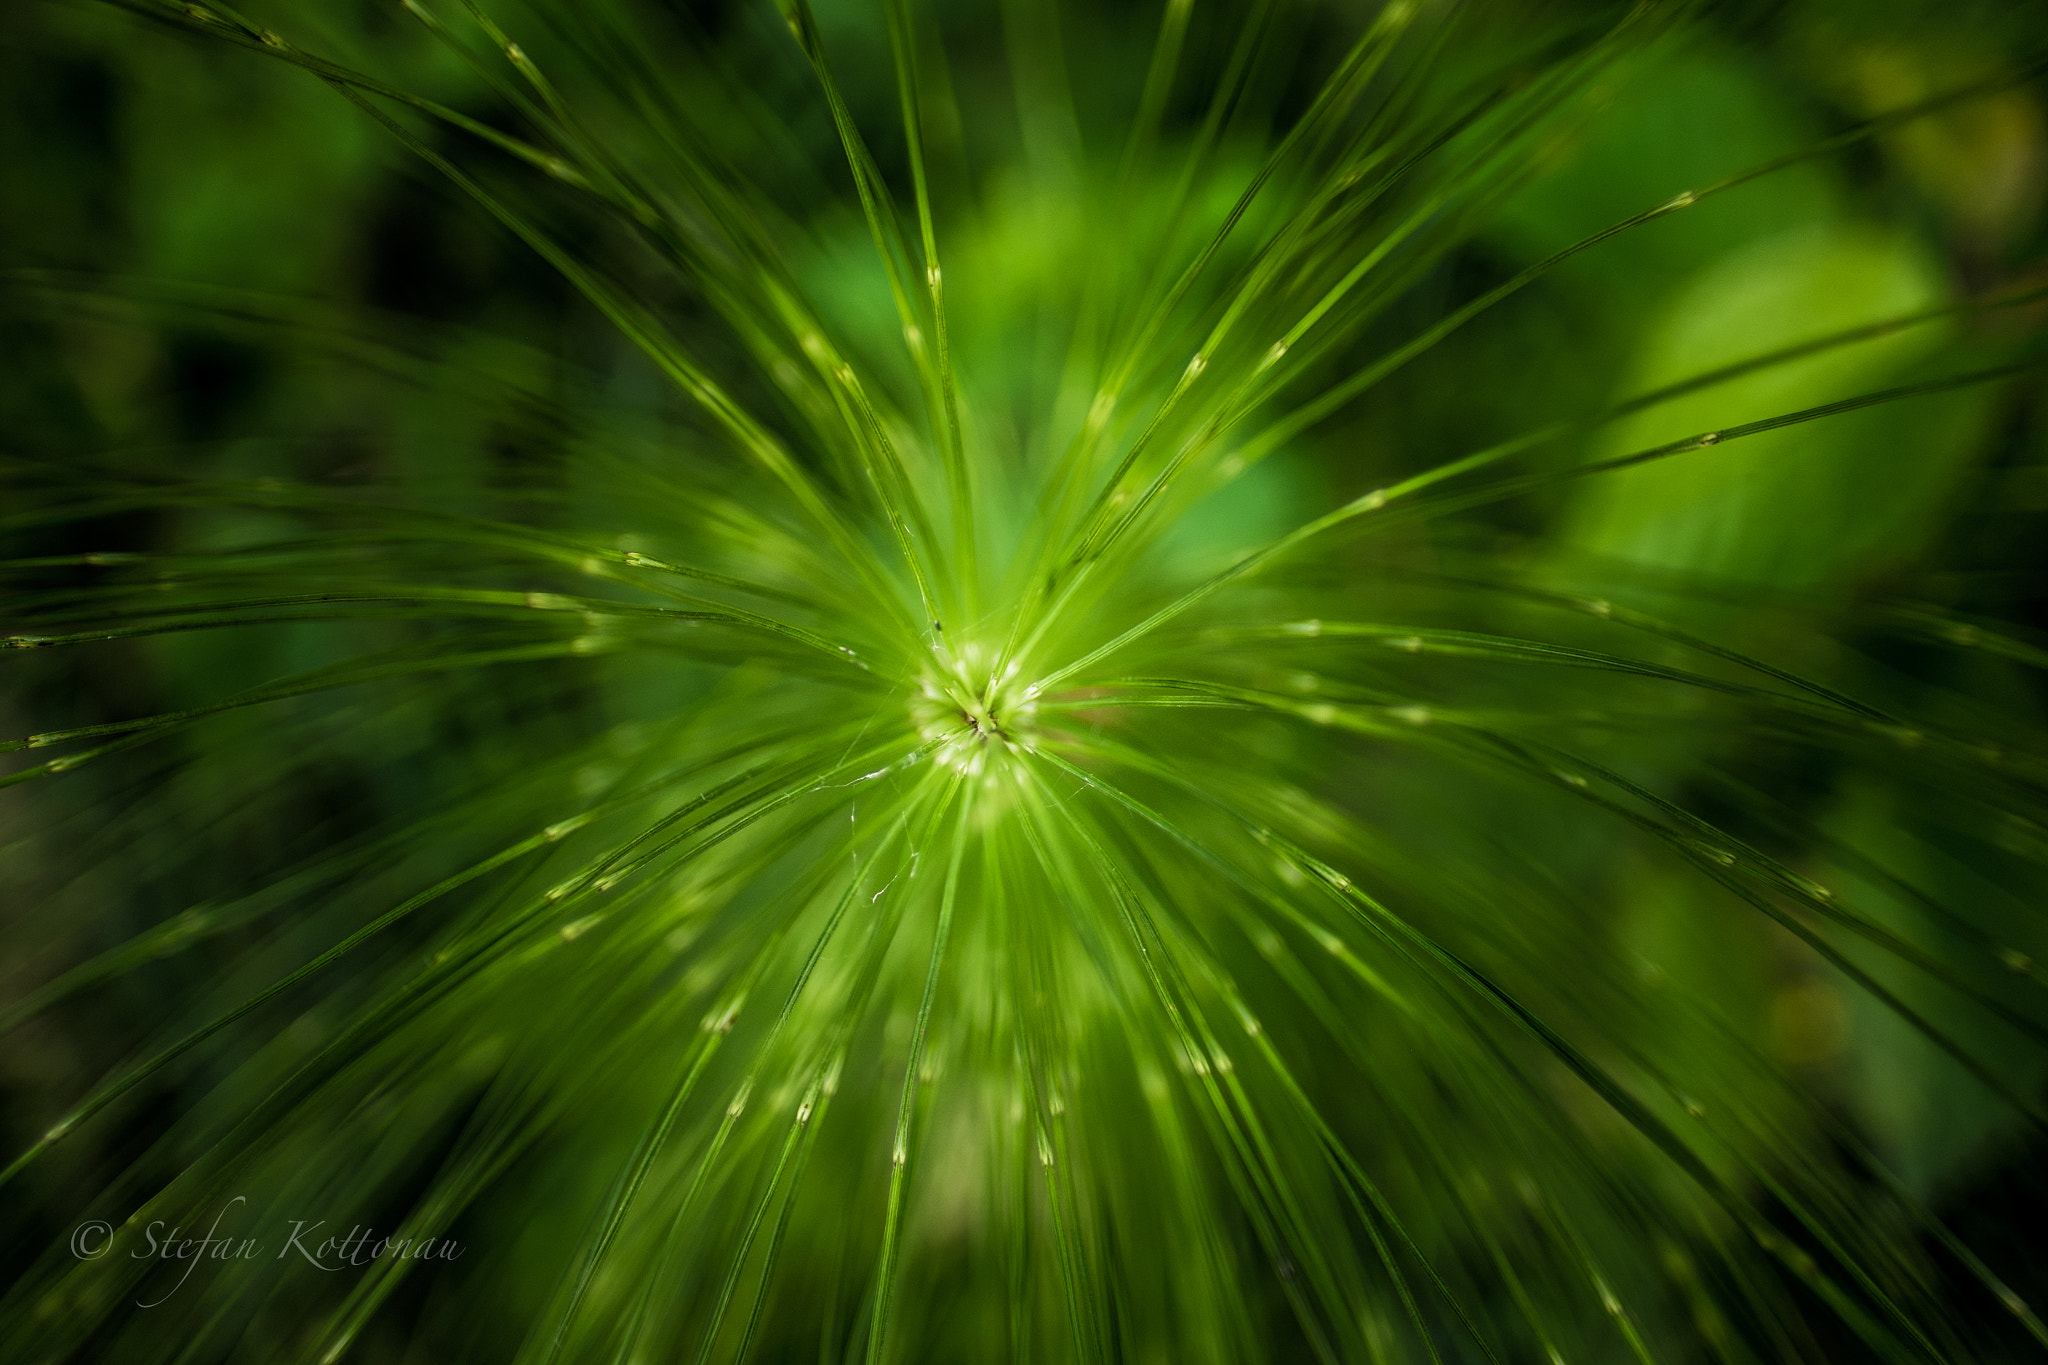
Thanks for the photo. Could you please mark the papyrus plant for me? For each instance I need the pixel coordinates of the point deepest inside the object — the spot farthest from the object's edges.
(939, 766)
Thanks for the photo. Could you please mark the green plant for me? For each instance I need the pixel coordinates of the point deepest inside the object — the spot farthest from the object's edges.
(1058, 737)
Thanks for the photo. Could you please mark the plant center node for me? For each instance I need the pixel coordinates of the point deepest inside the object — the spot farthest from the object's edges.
(972, 717)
